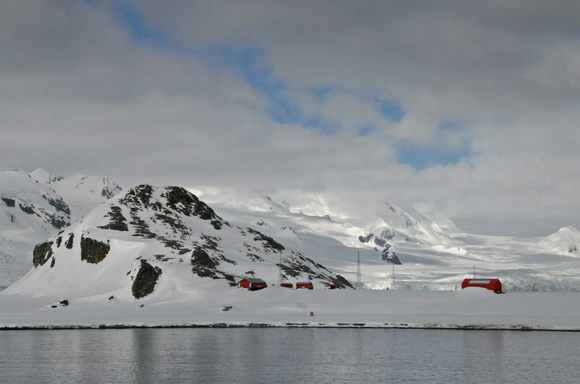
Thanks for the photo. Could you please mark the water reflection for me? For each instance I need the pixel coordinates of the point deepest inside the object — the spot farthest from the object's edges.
(248, 355)
(482, 354)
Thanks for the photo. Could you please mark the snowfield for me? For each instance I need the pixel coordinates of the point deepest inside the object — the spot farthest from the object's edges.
(159, 256)
(472, 308)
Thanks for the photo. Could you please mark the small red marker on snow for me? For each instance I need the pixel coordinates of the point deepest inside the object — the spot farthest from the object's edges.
(311, 313)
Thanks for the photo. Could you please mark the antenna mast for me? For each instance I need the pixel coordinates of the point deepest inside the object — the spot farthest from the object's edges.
(280, 270)
(393, 275)
(358, 273)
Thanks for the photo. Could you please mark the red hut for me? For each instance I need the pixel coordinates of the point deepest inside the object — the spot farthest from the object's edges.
(491, 284)
(252, 284)
(330, 286)
(287, 285)
(304, 285)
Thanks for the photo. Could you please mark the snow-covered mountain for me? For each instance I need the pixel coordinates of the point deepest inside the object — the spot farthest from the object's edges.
(399, 247)
(430, 256)
(162, 242)
(81, 193)
(37, 205)
(564, 242)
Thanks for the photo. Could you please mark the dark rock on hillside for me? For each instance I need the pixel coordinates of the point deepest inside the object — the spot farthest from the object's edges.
(27, 209)
(145, 280)
(202, 264)
(93, 251)
(58, 204)
(118, 221)
(178, 199)
(341, 282)
(9, 202)
(185, 202)
(69, 243)
(56, 221)
(366, 239)
(41, 253)
(381, 242)
(390, 257)
(371, 237)
(138, 196)
(200, 258)
(268, 242)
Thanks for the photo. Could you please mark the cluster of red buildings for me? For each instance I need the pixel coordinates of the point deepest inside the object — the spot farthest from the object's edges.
(254, 284)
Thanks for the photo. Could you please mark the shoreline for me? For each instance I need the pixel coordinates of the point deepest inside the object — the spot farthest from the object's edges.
(341, 325)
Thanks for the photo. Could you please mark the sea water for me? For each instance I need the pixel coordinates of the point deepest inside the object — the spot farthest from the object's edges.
(288, 355)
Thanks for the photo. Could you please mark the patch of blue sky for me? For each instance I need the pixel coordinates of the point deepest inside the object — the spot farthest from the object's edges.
(366, 129)
(247, 61)
(251, 63)
(141, 31)
(391, 110)
(321, 125)
(321, 93)
(422, 157)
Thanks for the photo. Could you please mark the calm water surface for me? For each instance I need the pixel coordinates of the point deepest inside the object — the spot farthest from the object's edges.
(247, 355)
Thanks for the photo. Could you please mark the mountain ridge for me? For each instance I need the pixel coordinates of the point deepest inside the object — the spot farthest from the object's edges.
(426, 255)
(167, 235)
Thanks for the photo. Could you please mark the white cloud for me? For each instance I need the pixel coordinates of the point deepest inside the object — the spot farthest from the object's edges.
(82, 95)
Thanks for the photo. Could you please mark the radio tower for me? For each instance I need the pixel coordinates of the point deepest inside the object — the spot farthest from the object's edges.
(280, 270)
(358, 274)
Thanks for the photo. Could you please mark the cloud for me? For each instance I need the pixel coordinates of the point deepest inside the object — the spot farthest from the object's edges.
(462, 108)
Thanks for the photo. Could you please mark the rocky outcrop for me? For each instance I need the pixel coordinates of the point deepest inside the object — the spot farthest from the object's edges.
(118, 221)
(9, 202)
(390, 257)
(70, 242)
(202, 264)
(58, 204)
(177, 200)
(41, 253)
(145, 281)
(93, 251)
(267, 241)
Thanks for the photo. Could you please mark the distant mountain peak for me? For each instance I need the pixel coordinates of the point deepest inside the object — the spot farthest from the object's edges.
(44, 177)
(566, 241)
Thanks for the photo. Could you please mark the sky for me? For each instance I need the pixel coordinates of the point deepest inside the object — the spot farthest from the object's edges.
(467, 110)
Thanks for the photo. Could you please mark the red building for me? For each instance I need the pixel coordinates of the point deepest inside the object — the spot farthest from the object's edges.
(287, 285)
(252, 284)
(304, 285)
(491, 284)
(330, 286)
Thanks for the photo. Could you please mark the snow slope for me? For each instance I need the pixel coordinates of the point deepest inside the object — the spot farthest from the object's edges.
(216, 304)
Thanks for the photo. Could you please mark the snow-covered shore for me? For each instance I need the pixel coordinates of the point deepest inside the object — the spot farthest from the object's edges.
(279, 307)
